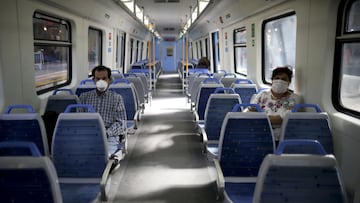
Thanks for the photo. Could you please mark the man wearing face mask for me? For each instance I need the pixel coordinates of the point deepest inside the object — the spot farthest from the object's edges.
(109, 105)
(277, 101)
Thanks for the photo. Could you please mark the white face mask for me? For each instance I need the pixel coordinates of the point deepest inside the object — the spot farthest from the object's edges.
(279, 86)
(101, 85)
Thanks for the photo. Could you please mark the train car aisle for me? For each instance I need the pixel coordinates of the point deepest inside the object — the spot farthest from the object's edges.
(165, 163)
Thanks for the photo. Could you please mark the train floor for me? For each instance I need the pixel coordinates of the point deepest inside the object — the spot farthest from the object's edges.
(164, 163)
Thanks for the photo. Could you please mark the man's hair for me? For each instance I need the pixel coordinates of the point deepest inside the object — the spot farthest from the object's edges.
(101, 68)
(285, 70)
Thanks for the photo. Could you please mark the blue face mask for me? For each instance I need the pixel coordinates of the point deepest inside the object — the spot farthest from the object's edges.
(101, 85)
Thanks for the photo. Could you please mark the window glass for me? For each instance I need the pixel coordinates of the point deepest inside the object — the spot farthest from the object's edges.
(215, 50)
(346, 76)
(279, 49)
(240, 36)
(350, 79)
(94, 48)
(52, 51)
(240, 51)
(353, 17)
(240, 60)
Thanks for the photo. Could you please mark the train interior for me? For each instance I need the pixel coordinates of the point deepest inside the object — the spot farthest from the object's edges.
(179, 113)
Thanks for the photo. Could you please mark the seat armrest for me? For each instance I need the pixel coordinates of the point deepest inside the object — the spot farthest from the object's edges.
(104, 180)
(220, 179)
(136, 118)
(204, 139)
(196, 117)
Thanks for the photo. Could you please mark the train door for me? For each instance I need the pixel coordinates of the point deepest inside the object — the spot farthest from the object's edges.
(168, 56)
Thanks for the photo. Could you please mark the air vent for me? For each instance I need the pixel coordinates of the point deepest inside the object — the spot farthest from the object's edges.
(167, 1)
(169, 29)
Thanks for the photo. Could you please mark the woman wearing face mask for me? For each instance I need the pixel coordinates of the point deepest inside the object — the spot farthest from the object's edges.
(277, 101)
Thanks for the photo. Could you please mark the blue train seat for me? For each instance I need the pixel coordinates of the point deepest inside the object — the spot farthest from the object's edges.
(84, 86)
(139, 88)
(217, 107)
(300, 146)
(28, 179)
(207, 87)
(308, 125)
(80, 155)
(19, 148)
(299, 178)
(196, 86)
(227, 79)
(127, 90)
(23, 126)
(245, 88)
(245, 139)
(57, 102)
(115, 74)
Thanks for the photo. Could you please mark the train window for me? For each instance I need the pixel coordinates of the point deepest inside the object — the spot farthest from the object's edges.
(131, 50)
(279, 44)
(346, 77)
(352, 18)
(207, 47)
(240, 51)
(215, 50)
(141, 50)
(52, 52)
(120, 46)
(94, 48)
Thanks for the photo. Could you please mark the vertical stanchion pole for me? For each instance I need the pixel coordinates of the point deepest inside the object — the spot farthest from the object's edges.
(154, 62)
(182, 65)
(187, 55)
(149, 63)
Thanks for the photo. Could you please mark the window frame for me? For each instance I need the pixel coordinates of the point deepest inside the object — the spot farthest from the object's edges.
(342, 37)
(100, 49)
(57, 43)
(263, 71)
(242, 45)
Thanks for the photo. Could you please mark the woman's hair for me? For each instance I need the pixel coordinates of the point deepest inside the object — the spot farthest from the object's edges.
(204, 62)
(285, 70)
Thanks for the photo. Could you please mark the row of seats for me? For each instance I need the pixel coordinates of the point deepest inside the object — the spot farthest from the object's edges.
(246, 138)
(78, 153)
(209, 86)
(287, 176)
(151, 70)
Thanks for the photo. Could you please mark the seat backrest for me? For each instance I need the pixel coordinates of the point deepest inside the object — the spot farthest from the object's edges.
(245, 139)
(218, 105)
(299, 178)
(28, 179)
(308, 125)
(205, 90)
(228, 79)
(28, 126)
(139, 87)
(196, 85)
(84, 86)
(58, 102)
(79, 147)
(246, 91)
(19, 148)
(128, 93)
(144, 80)
(300, 147)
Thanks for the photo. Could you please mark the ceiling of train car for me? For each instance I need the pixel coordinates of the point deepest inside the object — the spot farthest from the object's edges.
(169, 16)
